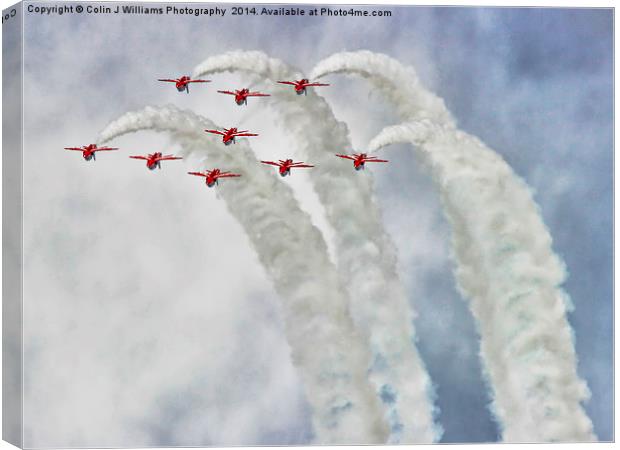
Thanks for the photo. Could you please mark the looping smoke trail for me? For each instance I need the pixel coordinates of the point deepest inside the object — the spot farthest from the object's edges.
(325, 347)
(508, 270)
(398, 83)
(505, 263)
(366, 256)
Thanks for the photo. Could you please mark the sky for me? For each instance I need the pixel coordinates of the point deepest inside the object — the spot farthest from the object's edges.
(148, 317)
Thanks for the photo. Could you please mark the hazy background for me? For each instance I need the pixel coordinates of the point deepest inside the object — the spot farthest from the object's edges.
(148, 318)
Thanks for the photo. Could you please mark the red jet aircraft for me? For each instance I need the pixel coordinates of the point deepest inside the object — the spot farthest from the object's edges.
(229, 134)
(182, 84)
(153, 160)
(241, 96)
(360, 159)
(285, 166)
(301, 85)
(88, 151)
(211, 176)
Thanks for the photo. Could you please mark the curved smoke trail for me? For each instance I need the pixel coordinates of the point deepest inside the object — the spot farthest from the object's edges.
(366, 256)
(505, 263)
(398, 83)
(324, 344)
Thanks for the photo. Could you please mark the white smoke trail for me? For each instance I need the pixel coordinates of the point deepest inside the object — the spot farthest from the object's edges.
(324, 344)
(398, 83)
(366, 256)
(505, 263)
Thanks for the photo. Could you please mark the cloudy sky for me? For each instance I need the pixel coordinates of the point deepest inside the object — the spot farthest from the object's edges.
(148, 317)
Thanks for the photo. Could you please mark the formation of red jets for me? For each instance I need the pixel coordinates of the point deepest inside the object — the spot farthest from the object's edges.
(153, 160)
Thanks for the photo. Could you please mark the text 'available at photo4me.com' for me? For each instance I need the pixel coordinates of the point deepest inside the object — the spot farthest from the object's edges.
(198, 11)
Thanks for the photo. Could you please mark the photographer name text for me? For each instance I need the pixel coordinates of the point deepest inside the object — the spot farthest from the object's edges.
(207, 12)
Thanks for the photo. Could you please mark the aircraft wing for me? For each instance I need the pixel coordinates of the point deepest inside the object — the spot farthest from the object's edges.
(216, 132)
(227, 92)
(258, 94)
(316, 84)
(77, 149)
(346, 157)
(139, 157)
(198, 174)
(199, 81)
(376, 160)
(245, 134)
(301, 165)
(271, 162)
(287, 82)
(228, 175)
(169, 158)
(169, 80)
(104, 149)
